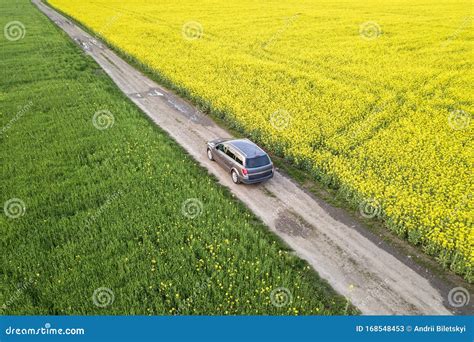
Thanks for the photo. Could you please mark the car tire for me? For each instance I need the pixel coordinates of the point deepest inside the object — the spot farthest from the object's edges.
(235, 177)
(209, 154)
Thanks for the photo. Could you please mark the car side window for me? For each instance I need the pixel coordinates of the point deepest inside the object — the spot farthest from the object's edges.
(220, 147)
(239, 160)
(230, 154)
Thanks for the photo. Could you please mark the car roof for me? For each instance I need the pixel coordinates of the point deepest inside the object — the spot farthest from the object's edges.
(246, 147)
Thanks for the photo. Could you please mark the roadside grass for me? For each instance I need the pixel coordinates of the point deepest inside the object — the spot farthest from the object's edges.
(120, 220)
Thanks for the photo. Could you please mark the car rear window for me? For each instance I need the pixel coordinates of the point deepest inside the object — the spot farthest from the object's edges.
(257, 161)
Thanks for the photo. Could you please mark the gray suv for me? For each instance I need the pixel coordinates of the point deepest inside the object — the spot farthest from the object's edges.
(246, 162)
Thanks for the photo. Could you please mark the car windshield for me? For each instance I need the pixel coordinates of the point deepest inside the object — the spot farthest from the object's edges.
(257, 161)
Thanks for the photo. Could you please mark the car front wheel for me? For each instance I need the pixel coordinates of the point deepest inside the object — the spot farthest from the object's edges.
(209, 154)
(235, 177)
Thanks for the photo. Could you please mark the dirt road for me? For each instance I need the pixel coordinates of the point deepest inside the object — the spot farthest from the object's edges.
(356, 263)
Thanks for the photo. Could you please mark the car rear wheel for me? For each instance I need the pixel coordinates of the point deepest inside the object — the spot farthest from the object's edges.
(235, 177)
(209, 154)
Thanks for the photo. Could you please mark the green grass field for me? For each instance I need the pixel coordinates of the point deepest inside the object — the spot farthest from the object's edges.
(101, 227)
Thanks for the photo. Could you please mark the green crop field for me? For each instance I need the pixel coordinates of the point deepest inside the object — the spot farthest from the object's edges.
(105, 214)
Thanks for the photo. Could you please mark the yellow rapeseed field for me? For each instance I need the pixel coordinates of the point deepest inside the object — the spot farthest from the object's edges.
(373, 97)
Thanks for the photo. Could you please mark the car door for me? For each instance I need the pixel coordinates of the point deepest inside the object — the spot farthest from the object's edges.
(220, 156)
(228, 157)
